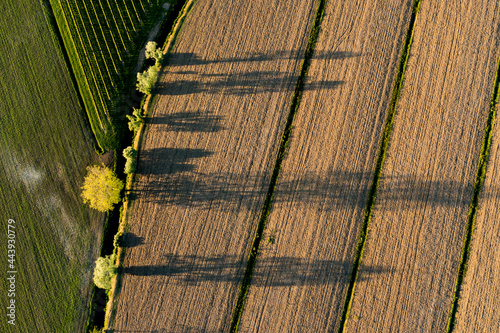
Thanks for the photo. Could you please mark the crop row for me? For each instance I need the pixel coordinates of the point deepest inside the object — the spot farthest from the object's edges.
(106, 38)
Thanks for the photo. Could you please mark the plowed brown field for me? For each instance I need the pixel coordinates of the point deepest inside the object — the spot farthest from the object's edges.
(299, 283)
(206, 162)
(418, 225)
(479, 303)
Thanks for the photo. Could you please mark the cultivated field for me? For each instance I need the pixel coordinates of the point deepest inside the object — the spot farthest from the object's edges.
(480, 294)
(300, 282)
(206, 161)
(420, 215)
(45, 146)
(103, 39)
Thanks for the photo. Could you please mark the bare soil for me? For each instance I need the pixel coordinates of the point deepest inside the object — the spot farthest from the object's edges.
(480, 294)
(206, 162)
(300, 281)
(479, 303)
(419, 221)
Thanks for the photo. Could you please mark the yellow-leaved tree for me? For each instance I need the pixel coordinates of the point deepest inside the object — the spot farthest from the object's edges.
(101, 188)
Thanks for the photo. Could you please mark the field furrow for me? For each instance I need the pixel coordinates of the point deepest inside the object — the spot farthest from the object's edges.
(121, 27)
(479, 300)
(305, 261)
(420, 215)
(84, 60)
(206, 161)
(110, 29)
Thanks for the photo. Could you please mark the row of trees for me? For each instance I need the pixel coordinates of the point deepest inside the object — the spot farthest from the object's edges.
(147, 79)
(102, 188)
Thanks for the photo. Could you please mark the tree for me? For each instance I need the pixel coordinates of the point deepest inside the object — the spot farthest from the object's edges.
(104, 271)
(153, 52)
(130, 154)
(101, 188)
(147, 79)
(135, 121)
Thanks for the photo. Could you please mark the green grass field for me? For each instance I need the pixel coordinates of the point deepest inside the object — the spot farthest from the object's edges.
(45, 147)
(103, 39)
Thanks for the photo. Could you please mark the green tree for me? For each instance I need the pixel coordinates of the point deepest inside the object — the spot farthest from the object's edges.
(147, 79)
(101, 188)
(104, 271)
(130, 154)
(135, 121)
(153, 52)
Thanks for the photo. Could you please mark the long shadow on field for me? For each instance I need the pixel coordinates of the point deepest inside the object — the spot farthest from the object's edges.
(191, 122)
(192, 59)
(328, 191)
(179, 328)
(193, 78)
(132, 240)
(167, 161)
(238, 84)
(284, 271)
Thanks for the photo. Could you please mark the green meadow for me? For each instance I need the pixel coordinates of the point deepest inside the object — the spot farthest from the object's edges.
(46, 143)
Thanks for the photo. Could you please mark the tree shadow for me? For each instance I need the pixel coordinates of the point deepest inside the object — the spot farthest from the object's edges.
(191, 122)
(168, 161)
(193, 59)
(285, 271)
(238, 84)
(179, 328)
(132, 240)
(329, 191)
(192, 80)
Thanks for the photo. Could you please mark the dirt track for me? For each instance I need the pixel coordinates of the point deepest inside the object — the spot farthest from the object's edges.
(417, 230)
(206, 162)
(300, 282)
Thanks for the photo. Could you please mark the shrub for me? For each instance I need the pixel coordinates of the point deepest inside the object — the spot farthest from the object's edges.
(118, 240)
(101, 188)
(104, 271)
(152, 51)
(130, 154)
(147, 79)
(135, 121)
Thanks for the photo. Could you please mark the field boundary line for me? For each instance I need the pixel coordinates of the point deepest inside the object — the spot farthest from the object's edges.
(478, 185)
(379, 165)
(137, 142)
(252, 258)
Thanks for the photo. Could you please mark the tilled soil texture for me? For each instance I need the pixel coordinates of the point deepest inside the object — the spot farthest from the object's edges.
(479, 303)
(300, 281)
(206, 161)
(420, 215)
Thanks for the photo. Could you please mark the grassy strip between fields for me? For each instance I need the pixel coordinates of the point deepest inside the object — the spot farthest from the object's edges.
(146, 103)
(481, 173)
(378, 168)
(252, 258)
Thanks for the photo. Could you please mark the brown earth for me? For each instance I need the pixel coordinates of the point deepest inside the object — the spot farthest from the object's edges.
(480, 294)
(206, 162)
(420, 216)
(300, 282)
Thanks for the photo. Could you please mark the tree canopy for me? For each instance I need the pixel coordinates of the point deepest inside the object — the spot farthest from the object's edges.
(101, 188)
